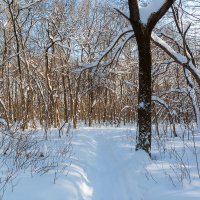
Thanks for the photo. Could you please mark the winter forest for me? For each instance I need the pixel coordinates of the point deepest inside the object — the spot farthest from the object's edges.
(99, 100)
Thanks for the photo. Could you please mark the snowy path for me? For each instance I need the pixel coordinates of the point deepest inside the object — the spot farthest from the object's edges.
(104, 167)
(109, 168)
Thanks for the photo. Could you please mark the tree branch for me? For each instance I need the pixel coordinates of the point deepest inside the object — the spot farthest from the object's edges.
(155, 17)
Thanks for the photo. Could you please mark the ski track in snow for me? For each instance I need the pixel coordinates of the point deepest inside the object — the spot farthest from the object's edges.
(106, 168)
(107, 171)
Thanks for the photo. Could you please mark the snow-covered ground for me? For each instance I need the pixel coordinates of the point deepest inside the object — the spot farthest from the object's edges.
(105, 166)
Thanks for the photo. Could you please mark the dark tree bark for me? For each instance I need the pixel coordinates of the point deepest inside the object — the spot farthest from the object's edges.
(144, 95)
(143, 36)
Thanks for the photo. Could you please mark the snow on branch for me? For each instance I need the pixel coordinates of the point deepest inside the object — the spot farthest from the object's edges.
(146, 12)
(159, 100)
(162, 102)
(174, 90)
(8, 59)
(178, 57)
(193, 97)
(27, 6)
(127, 33)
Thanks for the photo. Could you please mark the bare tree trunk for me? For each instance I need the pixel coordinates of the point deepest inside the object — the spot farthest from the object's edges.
(144, 95)
(143, 35)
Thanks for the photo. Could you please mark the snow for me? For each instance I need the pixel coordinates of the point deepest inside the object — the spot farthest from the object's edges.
(141, 105)
(33, 3)
(147, 11)
(179, 57)
(183, 60)
(104, 165)
(156, 98)
(162, 102)
(194, 98)
(127, 33)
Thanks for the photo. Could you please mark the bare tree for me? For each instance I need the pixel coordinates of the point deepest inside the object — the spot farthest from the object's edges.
(143, 32)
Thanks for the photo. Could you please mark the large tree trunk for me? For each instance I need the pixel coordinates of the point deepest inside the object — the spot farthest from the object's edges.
(144, 96)
(143, 33)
